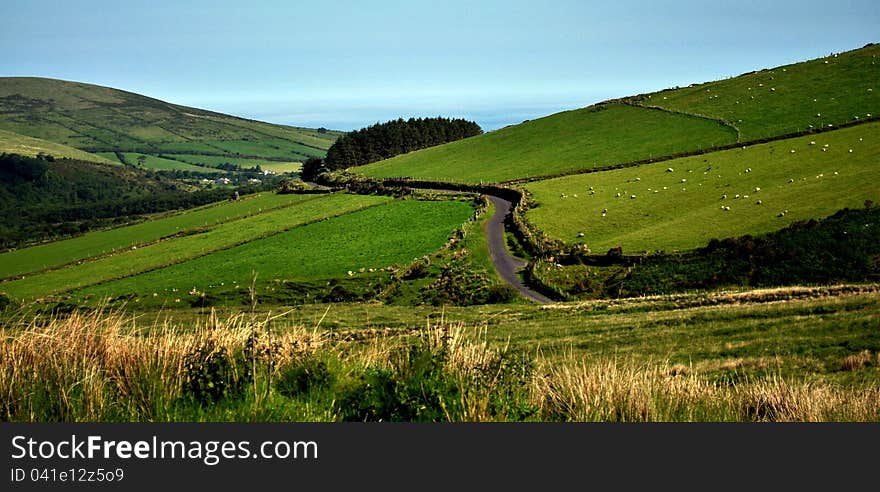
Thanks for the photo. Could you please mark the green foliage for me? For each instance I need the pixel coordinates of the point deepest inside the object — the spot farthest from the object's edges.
(212, 373)
(41, 199)
(844, 247)
(304, 374)
(386, 140)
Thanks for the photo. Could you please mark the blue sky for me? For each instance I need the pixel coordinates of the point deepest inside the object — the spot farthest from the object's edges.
(346, 64)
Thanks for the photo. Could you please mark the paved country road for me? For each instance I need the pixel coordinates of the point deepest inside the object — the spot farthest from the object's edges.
(506, 264)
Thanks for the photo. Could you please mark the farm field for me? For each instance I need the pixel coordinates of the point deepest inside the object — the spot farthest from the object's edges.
(160, 164)
(392, 233)
(179, 249)
(831, 90)
(214, 160)
(685, 208)
(97, 243)
(572, 140)
(13, 143)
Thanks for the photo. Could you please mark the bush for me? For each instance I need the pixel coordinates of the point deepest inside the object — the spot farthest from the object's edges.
(212, 373)
(307, 374)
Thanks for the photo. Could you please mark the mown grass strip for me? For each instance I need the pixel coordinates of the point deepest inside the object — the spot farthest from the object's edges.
(59, 253)
(393, 233)
(229, 234)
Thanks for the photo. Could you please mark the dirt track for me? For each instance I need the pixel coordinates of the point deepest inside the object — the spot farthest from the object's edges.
(506, 264)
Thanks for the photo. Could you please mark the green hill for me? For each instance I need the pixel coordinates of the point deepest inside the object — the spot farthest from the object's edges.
(680, 204)
(13, 143)
(833, 90)
(100, 119)
(766, 104)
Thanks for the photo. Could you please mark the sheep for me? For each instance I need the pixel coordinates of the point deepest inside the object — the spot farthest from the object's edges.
(638, 179)
(757, 189)
(748, 170)
(824, 149)
(792, 151)
(562, 195)
(683, 180)
(781, 214)
(723, 197)
(618, 194)
(835, 173)
(736, 196)
(669, 170)
(580, 234)
(791, 180)
(574, 195)
(759, 202)
(850, 151)
(632, 197)
(350, 273)
(604, 211)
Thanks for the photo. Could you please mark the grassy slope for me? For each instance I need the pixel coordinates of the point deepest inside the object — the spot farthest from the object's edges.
(98, 243)
(87, 116)
(762, 104)
(579, 139)
(160, 164)
(377, 237)
(13, 143)
(179, 249)
(687, 215)
(790, 98)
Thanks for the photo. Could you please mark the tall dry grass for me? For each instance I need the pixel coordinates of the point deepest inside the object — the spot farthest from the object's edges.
(99, 366)
(623, 390)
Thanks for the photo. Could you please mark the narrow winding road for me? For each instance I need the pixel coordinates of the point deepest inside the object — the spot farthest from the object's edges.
(506, 264)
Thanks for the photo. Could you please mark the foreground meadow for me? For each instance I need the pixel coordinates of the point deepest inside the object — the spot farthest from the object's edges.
(805, 354)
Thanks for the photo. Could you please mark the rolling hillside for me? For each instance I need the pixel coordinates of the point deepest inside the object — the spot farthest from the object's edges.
(835, 90)
(100, 119)
(683, 203)
(13, 143)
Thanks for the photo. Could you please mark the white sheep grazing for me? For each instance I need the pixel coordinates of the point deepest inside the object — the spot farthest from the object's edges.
(580, 234)
(759, 202)
(638, 179)
(790, 180)
(824, 149)
(669, 170)
(562, 195)
(757, 189)
(850, 151)
(618, 194)
(575, 195)
(604, 211)
(792, 151)
(723, 197)
(736, 196)
(781, 214)
(632, 197)
(812, 142)
(683, 180)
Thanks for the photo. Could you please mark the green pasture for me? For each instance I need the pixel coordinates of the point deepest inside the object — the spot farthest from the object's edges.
(684, 208)
(267, 147)
(827, 91)
(568, 141)
(14, 143)
(377, 237)
(227, 235)
(162, 164)
(97, 243)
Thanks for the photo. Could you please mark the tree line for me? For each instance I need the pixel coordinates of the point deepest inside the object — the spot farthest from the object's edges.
(386, 140)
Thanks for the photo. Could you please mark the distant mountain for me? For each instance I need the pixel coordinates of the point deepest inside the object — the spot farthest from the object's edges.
(100, 119)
